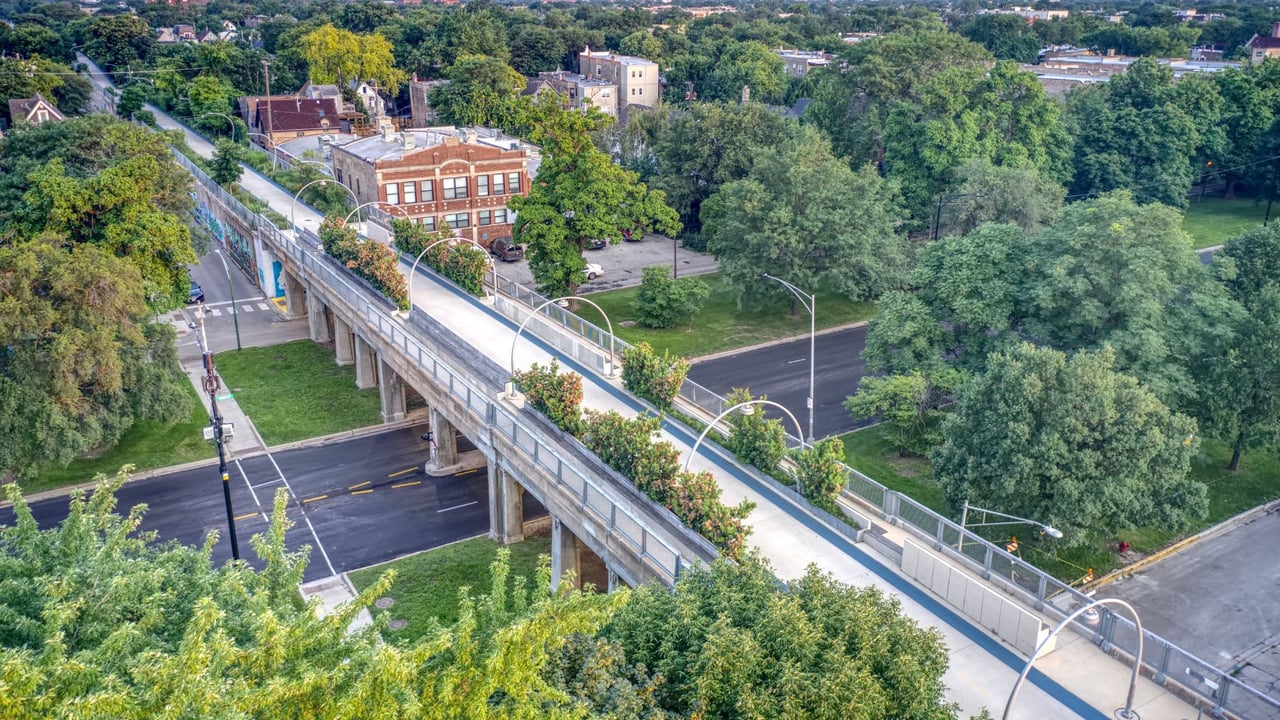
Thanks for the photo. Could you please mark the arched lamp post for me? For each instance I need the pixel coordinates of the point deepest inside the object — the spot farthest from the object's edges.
(275, 158)
(1125, 713)
(371, 202)
(511, 386)
(229, 120)
(293, 205)
(1051, 531)
(810, 303)
(413, 270)
(746, 406)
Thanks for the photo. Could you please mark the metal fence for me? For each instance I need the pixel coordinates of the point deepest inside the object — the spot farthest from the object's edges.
(598, 500)
(1020, 579)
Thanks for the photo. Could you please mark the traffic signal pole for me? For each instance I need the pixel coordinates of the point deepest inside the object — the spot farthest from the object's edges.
(212, 383)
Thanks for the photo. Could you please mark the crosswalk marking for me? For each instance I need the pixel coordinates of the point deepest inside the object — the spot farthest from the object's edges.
(246, 308)
(262, 306)
(214, 312)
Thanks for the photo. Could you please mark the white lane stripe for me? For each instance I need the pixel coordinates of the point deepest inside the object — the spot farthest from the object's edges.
(458, 507)
(246, 482)
(319, 545)
(214, 312)
(246, 308)
(263, 306)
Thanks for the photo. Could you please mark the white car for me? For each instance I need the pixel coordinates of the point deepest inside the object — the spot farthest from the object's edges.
(593, 270)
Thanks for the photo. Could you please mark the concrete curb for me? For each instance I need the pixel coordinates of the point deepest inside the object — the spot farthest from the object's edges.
(1155, 557)
(771, 343)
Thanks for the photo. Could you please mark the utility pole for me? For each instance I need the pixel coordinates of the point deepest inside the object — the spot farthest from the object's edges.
(211, 385)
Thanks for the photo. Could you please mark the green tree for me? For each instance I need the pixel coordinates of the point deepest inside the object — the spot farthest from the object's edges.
(755, 439)
(820, 469)
(731, 642)
(225, 167)
(989, 193)
(116, 41)
(1008, 37)
(909, 403)
(1071, 442)
(665, 302)
(581, 194)
(131, 100)
(481, 91)
(803, 215)
(536, 49)
(642, 43)
(24, 78)
(748, 64)
(338, 56)
(708, 146)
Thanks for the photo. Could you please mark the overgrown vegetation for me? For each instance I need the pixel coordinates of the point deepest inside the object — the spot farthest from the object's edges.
(463, 263)
(656, 378)
(372, 261)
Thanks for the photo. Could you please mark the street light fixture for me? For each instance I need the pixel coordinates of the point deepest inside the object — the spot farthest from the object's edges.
(1049, 530)
(810, 303)
(413, 270)
(1125, 713)
(211, 384)
(229, 120)
(747, 408)
(322, 181)
(511, 386)
(372, 202)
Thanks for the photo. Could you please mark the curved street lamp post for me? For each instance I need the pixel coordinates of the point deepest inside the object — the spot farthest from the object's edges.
(229, 120)
(322, 181)
(371, 202)
(413, 270)
(1049, 530)
(1125, 713)
(810, 303)
(511, 386)
(746, 406)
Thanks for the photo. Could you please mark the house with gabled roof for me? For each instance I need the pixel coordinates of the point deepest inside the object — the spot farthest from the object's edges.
(33, 111)
(1261, 47)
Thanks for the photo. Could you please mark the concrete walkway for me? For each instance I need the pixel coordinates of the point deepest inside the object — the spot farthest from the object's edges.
(1076, 680)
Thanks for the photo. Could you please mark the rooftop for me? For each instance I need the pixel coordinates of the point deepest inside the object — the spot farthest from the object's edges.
(379, 147)
(622, 59)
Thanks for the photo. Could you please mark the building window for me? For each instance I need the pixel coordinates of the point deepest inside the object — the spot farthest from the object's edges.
(428, 191)
(357, 186)
(500, 216)
(484, 217)
(428, 222)
(393, 193)
(458, 220)
(339, 171)
(639, 91)
(482, 187)
(455, 188)
(410, 193)
(513, 183)
(498, 187)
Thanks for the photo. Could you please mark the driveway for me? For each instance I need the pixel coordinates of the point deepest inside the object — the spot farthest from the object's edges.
(624, 262)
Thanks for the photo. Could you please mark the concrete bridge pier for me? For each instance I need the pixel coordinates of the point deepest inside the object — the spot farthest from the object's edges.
(506, 506)
(446, 439)
(366, 364)
(390, 392)
(566, 556)
(295, 296)
(317, 318)
(343, 341)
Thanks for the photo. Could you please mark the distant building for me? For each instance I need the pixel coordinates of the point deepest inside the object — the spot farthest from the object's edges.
(281, 119)
(800, 62)
(578, 91)
(33, 111)
(1031, 14)
(420, 101)
(440, 176)
(855, 38)
(1261, 47)
(636, 78)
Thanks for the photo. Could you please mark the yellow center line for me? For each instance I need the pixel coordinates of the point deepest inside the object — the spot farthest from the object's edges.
(406, 484)
(361, 492)
(467, 472)
(313, 499)
(246, 515)
(406, 471)
(360, 485)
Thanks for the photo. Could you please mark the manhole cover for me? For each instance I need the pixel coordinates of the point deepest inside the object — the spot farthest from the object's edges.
(384, 602)
(397, 624)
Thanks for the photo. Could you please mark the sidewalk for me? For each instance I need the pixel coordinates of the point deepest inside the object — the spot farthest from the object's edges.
(333, 592)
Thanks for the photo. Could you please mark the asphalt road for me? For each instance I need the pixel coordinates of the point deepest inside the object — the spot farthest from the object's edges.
(782, 373)
(259, 323)
(1218, 598)
(355, 503)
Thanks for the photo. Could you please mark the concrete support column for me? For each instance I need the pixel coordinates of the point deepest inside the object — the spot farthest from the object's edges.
(506, 507)
(366, 364)
(317, 318)
(565, 555)
(391, 392)
(446, 439)
(295, 303)
(613, 581)
(343, 341)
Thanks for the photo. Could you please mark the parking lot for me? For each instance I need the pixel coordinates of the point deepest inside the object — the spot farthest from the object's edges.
(622, 263)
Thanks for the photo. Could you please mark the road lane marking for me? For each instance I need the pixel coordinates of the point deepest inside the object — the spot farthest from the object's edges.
(458, 507)
(403, 472)
(246, 308)
(246, 482)
(361, 492)
(406, 484)
(245, 516)
(215, 312)
(466, 472)
(360, 485)
(313, 499)
(793, 362)
(262, 306)
(307, 520)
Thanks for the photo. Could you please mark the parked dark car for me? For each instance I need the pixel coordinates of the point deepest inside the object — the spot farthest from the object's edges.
(596, 244)
(197, 293)
(507, 249)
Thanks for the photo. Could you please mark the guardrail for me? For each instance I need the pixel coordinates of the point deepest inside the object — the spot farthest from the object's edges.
(644, 542)
(1034, 587)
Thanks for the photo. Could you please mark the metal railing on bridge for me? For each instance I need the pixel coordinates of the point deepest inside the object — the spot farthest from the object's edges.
(479, 403)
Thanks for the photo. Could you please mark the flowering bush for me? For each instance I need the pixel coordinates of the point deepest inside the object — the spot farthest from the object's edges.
(755, 439)
(820, 469)
(370, 260)
(656, 378)
(554, 394)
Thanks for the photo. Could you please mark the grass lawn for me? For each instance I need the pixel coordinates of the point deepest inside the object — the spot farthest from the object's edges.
(296, 391)
(871, 451)
(147, 445)
(427, 584)
(1213, 221)
(721, 325)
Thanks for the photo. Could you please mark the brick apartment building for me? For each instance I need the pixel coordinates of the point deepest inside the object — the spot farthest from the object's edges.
(440, 176)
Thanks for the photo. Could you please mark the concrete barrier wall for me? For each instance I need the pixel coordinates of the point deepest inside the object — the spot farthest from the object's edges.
(970, 596)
